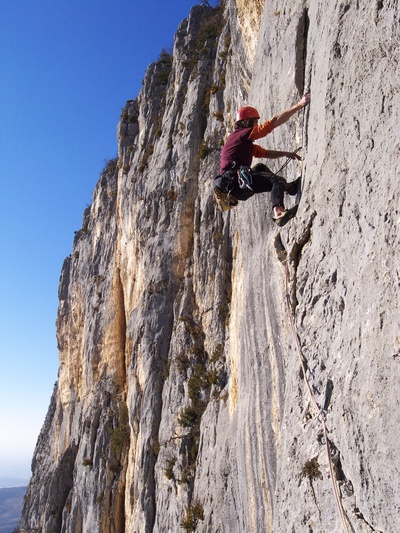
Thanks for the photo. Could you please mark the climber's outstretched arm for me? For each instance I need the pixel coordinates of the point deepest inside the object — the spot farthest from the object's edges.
(275, 154)
(281, 118)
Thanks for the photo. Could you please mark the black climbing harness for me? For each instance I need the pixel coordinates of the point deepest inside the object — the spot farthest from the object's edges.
(224, 183)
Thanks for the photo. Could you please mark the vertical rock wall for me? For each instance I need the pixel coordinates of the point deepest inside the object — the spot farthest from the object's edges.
(181, 402)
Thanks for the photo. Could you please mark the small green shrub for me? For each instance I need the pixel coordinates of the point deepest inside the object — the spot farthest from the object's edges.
(171, 194)
(164, 66)
(145, 158)
(219, 116)
(193, 514)
(188, 417)
(169, 470)
(120, 435)
(204, 150)
(187, 475)
(196, 382)
(110, 165)
(311, 470)
(182, 362)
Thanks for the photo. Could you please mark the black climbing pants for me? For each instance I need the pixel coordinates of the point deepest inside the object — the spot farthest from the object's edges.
(263, 180)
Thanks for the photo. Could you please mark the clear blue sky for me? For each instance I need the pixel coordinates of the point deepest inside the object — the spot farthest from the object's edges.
(67, 68)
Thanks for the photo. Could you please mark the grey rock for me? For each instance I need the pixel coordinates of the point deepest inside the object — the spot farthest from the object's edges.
(181, 398)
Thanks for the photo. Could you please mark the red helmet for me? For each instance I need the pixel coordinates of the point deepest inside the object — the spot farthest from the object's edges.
(247, 112)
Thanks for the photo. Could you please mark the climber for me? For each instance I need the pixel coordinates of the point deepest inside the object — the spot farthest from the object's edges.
(237, 181)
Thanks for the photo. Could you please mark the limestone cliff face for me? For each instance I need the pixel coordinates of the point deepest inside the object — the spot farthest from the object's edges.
(181, 403)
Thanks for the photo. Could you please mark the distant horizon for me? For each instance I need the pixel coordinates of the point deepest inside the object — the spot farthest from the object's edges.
(12, 483)
(15, 468)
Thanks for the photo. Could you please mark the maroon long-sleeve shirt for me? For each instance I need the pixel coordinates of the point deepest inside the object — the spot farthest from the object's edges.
(240, 148)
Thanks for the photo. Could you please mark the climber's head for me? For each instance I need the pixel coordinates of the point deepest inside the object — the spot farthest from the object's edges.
(246, 117)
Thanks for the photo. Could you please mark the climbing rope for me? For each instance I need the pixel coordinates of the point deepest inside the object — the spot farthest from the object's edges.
(320, 413)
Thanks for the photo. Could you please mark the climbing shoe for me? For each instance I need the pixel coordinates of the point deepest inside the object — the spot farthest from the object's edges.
(287, 215)
(293, 187)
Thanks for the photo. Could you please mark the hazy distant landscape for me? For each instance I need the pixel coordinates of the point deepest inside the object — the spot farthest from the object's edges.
(10, 508)
(7, 482)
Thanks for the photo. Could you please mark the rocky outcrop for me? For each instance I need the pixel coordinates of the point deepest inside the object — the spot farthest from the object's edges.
(192, 360)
